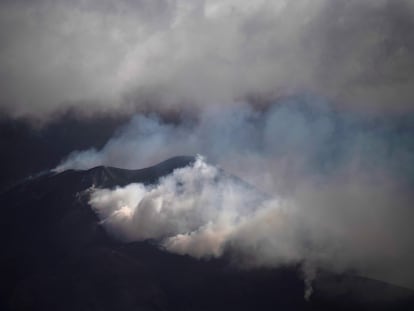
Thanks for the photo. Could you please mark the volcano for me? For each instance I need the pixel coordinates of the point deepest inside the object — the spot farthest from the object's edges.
(55, 255)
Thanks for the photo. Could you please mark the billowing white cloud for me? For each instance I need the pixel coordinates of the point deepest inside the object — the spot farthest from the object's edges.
(194, 210)
(200, 211)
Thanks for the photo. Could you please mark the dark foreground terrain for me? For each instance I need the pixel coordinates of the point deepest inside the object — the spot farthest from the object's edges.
(55, 256)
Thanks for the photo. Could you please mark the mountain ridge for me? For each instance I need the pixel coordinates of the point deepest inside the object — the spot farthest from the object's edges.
(57, 256)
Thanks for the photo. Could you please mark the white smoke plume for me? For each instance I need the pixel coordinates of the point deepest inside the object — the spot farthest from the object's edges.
(337, 177)
(194, 210)
(199, 211)
(294, 140)
(336, 184)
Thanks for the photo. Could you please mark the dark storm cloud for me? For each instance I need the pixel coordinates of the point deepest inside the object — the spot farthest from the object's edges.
(107, 55)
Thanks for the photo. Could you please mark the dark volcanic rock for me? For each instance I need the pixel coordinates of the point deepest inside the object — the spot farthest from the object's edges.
(56, 256)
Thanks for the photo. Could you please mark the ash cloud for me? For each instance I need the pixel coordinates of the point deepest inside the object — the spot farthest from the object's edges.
(106, 56)
(337, 165)
(295, 138)
(200, 212)
(333, 188)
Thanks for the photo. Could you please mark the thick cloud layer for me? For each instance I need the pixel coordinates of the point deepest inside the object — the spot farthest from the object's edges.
(183, 54)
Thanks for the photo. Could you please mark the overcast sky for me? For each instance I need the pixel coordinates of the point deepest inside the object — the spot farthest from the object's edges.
(162, 54)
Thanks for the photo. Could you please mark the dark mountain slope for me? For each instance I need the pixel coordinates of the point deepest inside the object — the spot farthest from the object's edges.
(56, 256)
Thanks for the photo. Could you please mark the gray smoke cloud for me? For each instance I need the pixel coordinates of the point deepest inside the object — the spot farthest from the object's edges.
(117, 56)
(336, 165)
(199, 212)
(296, 138)
(332, 188)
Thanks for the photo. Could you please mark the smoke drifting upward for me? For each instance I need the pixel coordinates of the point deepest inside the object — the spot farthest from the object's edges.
(194, 210)
(336, 183)
(336, 165)
(200, 212)
(295, 139)
(182, 54)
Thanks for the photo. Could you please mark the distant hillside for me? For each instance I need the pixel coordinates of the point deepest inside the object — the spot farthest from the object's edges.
(56, 256)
